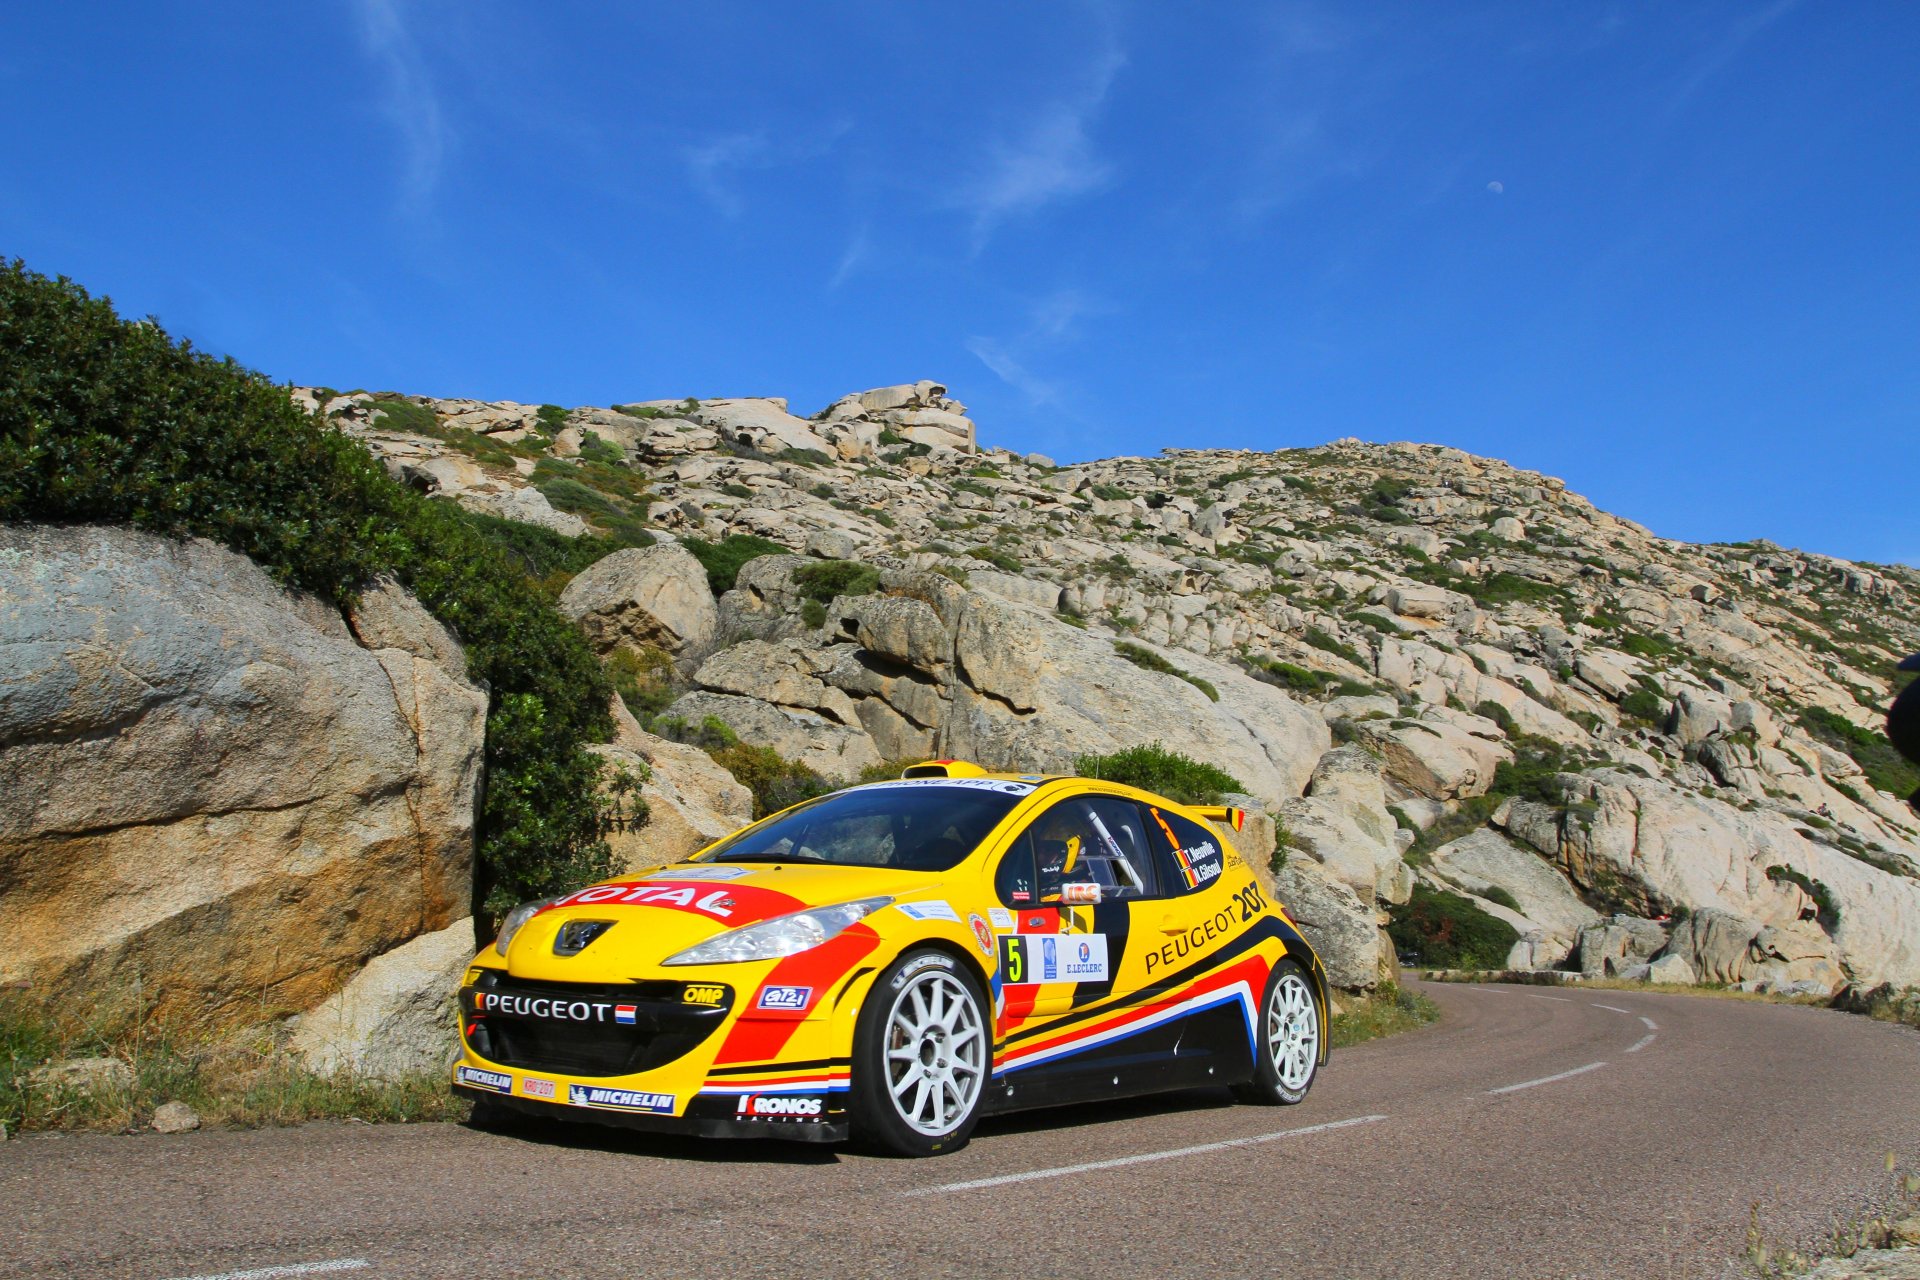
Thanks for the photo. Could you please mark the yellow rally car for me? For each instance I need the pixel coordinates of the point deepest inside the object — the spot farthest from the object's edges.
(893, 961)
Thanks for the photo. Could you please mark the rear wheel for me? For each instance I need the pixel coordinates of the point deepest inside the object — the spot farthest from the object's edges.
(1287, 1044)
(922, 1052)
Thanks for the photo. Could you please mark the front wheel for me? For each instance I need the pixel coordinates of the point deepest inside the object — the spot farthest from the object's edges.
(921, 1053)
(1287, 1048)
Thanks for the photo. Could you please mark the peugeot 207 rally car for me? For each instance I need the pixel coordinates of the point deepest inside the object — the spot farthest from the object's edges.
(895, 960)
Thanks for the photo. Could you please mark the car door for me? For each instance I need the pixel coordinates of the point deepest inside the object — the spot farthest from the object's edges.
(1070, 885)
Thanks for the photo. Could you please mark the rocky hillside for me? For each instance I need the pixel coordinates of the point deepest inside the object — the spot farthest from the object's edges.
(1457, 686)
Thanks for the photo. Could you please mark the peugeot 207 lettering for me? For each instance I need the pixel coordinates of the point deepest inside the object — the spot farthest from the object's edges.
(894, 961)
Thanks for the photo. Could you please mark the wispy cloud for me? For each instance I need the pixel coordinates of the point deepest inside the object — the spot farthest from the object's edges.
(1728, 47)
(714, 165)
(852, 260)
(412, 105)
(1050, 157)
(1008, 368)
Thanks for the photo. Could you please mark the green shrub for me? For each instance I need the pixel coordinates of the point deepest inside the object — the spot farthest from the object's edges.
(805, 457)
(1498, 714)
(1646, 705)
(825, 581)
(722, 560)
(1647, 646)
(997, 558)
(1164, 772)
(775, 781)
(552, 419)
(734, 489)
(1500, 897)
(643, 679)
(549, 559)
(1111, 493)
(595, 449)
(1446, 931)
(566, 492)
(1885, 768)
(1147, 660)
(1319, 639)
(104, 421)
(1506, 587)
(1532, 772)
(1827, 910)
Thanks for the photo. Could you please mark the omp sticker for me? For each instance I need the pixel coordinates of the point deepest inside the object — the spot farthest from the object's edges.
(703, 993)
(981, 934)
(1001, 917)
(535, 1087)
(700, 873)
(498, 1081)
(935, 909)
(786, 997)
(1001, 785)
(585, 1095)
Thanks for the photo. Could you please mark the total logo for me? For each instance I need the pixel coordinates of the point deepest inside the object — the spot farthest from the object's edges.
(583, 1095)
(766, 1106)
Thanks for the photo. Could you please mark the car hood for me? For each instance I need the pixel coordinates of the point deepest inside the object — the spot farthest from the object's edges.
(658, 913)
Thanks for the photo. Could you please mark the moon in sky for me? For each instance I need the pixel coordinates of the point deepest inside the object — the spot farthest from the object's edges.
(1496, 187)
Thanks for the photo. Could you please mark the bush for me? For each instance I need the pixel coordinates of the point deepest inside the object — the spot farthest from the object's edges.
(643, 679)
(1320, 640)
(1446, 931)
(1647, 646)
(722, 560)
(827, 580)
(1885, 767)
(595, 449)
(775, 781)
(1497, 713)
(1167, 773)
(550, 559)
(1645, 705)
(553, 419)
(1532, 772)
(997, 558)
(1147, 660)
(108, 422)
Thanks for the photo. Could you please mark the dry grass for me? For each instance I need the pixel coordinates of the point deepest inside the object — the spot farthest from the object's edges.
(1388, 1011)
(1898, 1199)
(246, 1080)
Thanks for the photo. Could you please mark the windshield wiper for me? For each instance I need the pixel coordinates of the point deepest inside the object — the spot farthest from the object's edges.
(767, 857)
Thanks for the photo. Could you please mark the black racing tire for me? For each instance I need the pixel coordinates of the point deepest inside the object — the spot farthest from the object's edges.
(925, 1099)
(1289, 1031)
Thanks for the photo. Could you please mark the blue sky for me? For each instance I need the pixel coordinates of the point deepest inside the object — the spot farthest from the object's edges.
(1667, 251)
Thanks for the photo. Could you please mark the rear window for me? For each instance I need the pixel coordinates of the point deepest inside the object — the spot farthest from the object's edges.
(1189, 854)
(929, 825)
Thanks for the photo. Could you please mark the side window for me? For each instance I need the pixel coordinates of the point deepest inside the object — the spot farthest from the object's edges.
(1014, 883)
(1090, 841)
(1189, 855)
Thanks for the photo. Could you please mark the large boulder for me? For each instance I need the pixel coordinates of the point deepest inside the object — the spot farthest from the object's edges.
(1650, 844)
(644, 597)
(396, 1017)
(1485, 860)
(215, 796)
(1343, 823)
(1343, 931)
(1436, 758)
(1608, 948)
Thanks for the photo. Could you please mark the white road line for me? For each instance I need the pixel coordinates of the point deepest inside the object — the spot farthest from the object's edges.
(1611, 1008)
(1642, 1042)
(290, 1269)
(1528, 1084)
(1555, 999)
(1651, 1024)
(1093, 1166)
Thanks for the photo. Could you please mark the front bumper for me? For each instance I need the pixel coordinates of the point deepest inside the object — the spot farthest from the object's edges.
(694, 1124)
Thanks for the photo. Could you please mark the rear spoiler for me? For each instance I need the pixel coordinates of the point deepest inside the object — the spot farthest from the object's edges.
(1225, 814)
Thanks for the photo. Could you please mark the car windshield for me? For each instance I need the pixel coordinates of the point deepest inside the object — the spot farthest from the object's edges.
(914, 825)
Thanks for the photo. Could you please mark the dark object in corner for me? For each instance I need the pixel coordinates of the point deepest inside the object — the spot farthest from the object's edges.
(1903, 721)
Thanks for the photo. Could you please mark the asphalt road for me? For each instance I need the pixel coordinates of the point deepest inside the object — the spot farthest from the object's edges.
(1532, 1133)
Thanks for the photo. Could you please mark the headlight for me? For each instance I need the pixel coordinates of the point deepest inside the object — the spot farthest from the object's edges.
(781, 936)
(515, 918)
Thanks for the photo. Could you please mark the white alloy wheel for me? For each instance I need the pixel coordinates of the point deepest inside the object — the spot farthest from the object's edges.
(1293, 1032)
(936, 1052)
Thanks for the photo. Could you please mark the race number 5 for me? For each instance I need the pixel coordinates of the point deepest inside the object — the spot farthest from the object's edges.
(1013, 959)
